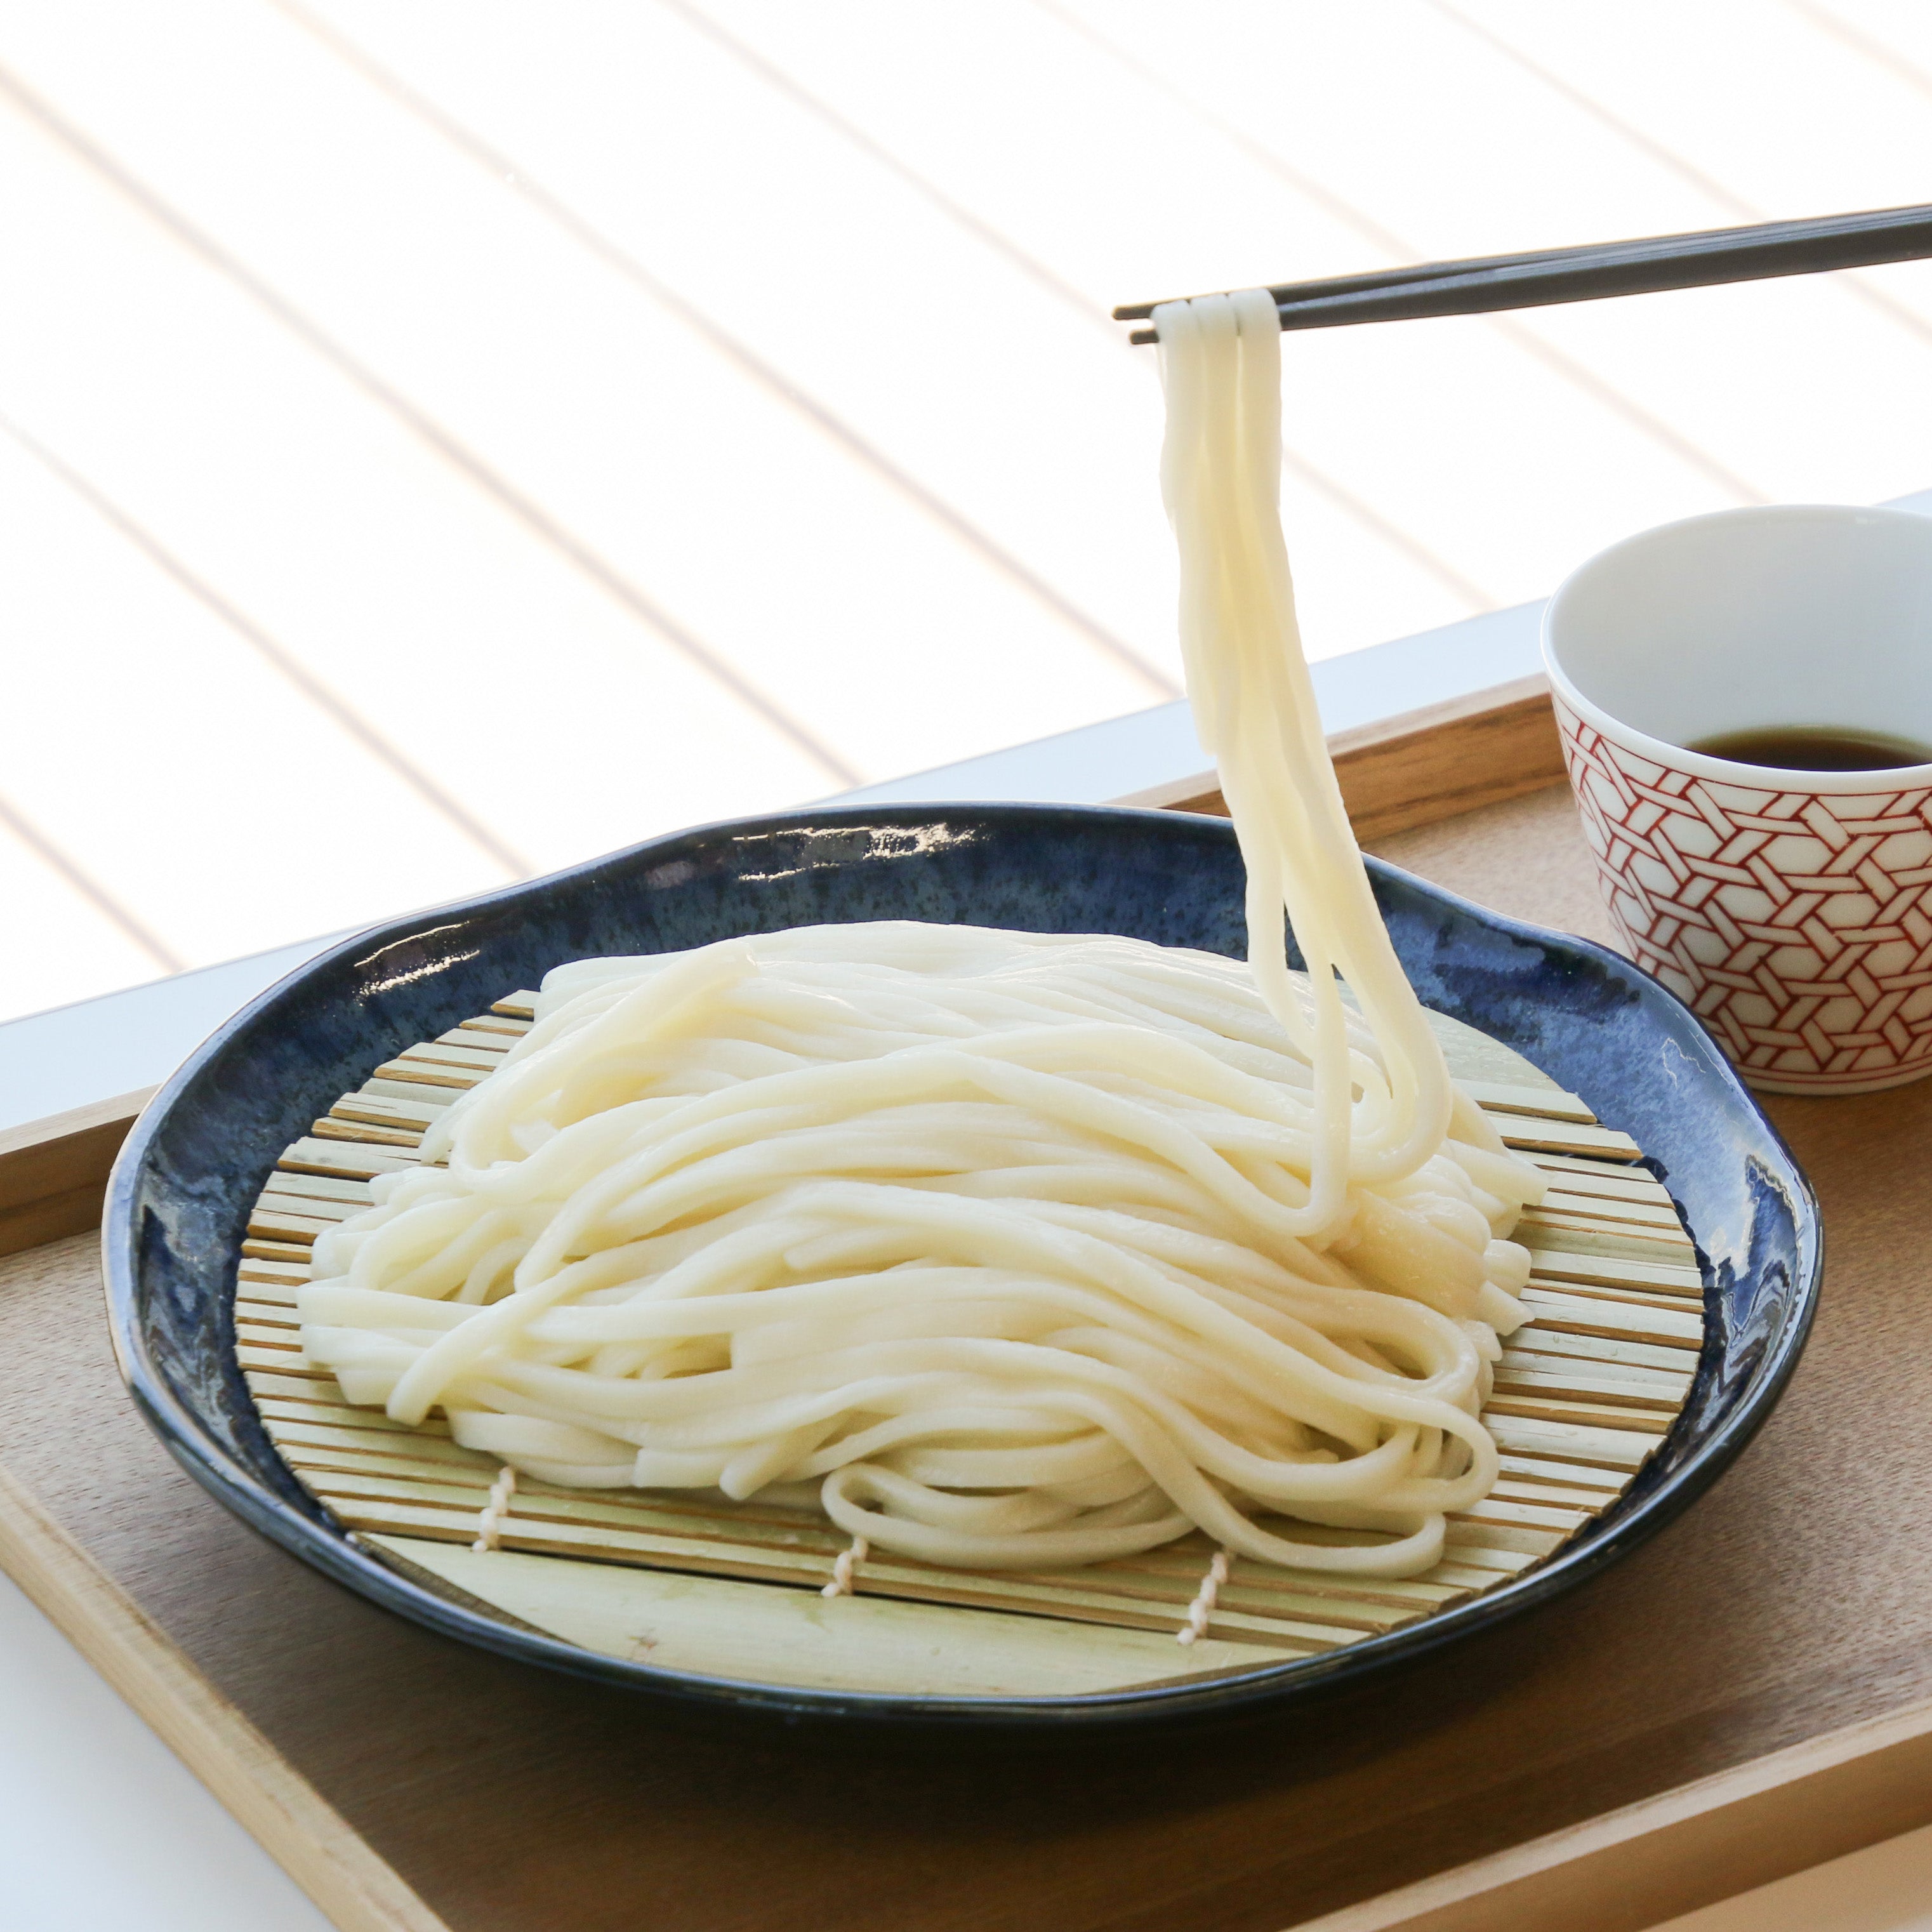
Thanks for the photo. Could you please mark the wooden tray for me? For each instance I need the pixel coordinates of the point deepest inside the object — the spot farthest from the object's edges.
(1749, 1693)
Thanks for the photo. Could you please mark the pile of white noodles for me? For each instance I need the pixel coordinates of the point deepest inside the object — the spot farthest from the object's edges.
(1005, 1249)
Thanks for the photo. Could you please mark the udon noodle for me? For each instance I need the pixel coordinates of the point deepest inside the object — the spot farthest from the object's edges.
(1003, 1249)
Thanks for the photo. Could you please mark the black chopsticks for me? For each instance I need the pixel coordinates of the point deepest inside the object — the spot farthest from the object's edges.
(1489, 283)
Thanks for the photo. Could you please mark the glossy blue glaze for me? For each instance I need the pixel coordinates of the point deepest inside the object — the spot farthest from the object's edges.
(181, 1191)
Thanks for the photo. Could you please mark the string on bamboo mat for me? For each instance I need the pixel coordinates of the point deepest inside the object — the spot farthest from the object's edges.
(1202, 1608)
(490, 1524)
(843, 1570)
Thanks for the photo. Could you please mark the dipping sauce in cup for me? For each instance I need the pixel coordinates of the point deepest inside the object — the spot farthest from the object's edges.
(1745, 702)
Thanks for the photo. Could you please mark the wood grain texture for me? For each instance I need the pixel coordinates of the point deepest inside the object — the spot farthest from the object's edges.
(1424, 765)
(1794, 1809)
(53, 1173)
(1791, 1607)
(1525, 857)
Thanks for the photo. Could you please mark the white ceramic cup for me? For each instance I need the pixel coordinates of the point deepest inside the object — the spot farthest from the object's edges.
(1792, 911)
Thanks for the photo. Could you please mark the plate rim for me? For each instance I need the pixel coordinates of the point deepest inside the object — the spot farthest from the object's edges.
(1222, 1696)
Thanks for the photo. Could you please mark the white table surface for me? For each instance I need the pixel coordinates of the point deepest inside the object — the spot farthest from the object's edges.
(102, 1828)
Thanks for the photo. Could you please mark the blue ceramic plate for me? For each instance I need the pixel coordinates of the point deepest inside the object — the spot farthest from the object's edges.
(191, 1170)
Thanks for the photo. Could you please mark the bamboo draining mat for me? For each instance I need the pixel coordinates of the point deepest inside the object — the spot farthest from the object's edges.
(1584, 1393)
(1776, 1632)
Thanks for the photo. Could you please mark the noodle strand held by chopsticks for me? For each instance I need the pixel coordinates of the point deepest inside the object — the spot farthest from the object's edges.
(1001, 1249)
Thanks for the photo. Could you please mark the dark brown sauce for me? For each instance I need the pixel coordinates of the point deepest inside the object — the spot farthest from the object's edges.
(1815, 748)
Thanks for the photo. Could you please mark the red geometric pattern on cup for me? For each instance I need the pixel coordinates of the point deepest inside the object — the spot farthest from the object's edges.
(1797, 926)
